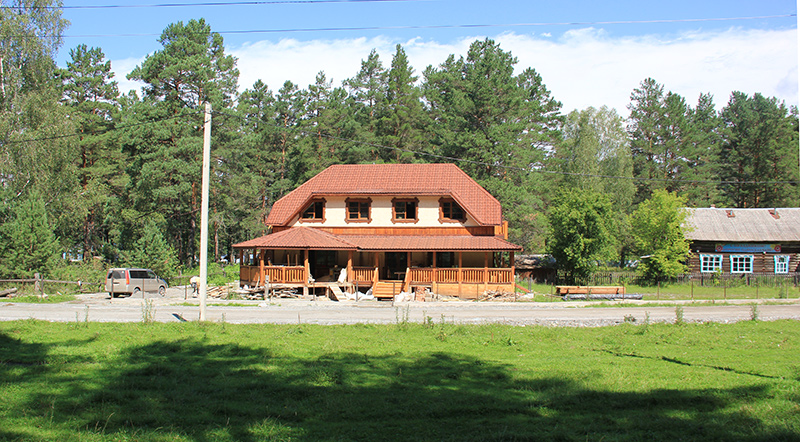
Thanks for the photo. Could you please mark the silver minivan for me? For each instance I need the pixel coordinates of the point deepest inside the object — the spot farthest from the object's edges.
(134, 282)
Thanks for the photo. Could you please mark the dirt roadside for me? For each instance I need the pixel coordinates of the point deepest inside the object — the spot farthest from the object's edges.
(178, 305)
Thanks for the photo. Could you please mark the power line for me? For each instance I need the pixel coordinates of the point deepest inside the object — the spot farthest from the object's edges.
(182, 5)
(78, 134)
(455, 26)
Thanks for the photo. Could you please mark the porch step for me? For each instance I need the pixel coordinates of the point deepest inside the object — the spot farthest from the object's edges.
(338, 295)
(386, 290)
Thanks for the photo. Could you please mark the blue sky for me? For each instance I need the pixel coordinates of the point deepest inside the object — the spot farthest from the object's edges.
(587, 62)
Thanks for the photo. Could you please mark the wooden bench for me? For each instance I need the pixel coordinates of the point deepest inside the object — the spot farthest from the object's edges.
(589, 289)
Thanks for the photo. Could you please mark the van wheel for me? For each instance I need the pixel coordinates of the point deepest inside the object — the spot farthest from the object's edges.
(162, 291)
(136, 292)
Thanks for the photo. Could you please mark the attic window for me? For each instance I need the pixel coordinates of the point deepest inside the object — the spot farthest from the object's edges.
(314, 212)
(450, 211)
(358, 210)
(730, 214)
(404, 210)
(774, 213)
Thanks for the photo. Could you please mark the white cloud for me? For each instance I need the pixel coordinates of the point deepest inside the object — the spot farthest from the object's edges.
(582, 67)
(121, 69)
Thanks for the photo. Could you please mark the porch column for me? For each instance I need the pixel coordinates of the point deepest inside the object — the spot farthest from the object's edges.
(460, 273)
(485, 271)
(513, 275)
(434, 274)
(261, 271)
(376, 277)
(349, 266)
(306, 272)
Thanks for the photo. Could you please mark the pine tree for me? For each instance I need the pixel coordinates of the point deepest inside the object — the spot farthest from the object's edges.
(27, 242)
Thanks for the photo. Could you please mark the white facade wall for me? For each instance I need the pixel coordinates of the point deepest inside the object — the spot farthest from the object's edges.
(381, 214)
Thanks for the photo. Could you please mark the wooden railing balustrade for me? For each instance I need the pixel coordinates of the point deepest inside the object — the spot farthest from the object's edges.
(424, 275)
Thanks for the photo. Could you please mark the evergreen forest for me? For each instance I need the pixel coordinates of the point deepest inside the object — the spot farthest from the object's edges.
(87, 171)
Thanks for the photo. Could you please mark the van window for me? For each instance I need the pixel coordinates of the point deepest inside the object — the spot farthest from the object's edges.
(138, 274)
(116, 274)
(151, 275)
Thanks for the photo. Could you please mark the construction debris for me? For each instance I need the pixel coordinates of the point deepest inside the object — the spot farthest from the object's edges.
(8, 293)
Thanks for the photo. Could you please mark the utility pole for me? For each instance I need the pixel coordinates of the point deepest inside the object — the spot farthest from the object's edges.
(204, 213)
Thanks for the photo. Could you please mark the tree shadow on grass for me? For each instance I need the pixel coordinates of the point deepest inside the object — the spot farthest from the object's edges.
(189, 390)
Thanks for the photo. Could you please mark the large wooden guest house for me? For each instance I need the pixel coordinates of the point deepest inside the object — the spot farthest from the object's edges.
(391, 227)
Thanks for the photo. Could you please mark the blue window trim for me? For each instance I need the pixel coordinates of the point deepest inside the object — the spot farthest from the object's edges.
(749, 261)
(715, 262)
(783, 262)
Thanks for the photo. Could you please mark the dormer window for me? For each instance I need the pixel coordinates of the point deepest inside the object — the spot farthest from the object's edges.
(404, 210)
(314, 212)
(358, 210)
(450, 211)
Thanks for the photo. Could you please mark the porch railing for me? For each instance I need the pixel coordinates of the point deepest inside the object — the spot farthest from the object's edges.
(276, 274)
(363, 274)
(468, 275)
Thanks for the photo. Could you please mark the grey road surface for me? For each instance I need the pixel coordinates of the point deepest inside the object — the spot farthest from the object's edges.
(172, 308)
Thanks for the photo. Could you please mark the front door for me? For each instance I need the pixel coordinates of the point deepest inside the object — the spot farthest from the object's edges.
(396, 265)
(321, 262)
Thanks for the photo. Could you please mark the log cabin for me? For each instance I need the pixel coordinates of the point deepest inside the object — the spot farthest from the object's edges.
(744, 241)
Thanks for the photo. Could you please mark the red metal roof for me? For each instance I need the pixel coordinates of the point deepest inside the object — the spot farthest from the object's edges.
(392, 180)
(423, 243)
(308, 238)
(298, 238)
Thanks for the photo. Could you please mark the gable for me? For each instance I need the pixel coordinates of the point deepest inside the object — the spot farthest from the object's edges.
(391, 180)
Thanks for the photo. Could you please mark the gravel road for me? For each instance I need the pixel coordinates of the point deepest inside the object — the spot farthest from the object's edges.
(172, 308)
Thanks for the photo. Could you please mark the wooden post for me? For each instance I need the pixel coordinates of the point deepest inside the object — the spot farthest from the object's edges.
(262, 271)
(349, 266)
(376, 276)
(485, 271)
(513, 275)
(460, 272)
(434, 274)
(306, 272)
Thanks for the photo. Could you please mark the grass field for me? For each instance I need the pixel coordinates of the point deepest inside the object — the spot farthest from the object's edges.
(673, 292)
(404, 382)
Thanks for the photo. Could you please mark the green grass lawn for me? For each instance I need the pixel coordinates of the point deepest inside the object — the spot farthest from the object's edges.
(403, 382)
(674, 292)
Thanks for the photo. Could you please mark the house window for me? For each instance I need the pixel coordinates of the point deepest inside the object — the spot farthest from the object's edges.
(781, 264)
(358, 210)
(450, 211)
(741, 263)
(710, 263)
(404, 210)
(314, 212)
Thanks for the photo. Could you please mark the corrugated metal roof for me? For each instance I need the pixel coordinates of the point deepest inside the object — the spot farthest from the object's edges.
(393, 180)
(744, 225)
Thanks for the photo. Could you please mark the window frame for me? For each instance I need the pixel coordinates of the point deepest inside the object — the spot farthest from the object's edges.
(738, 266)
(449, 219)
(395, 201)
(308, 206)
(783, 262)
(715, 263)
(359, 201)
